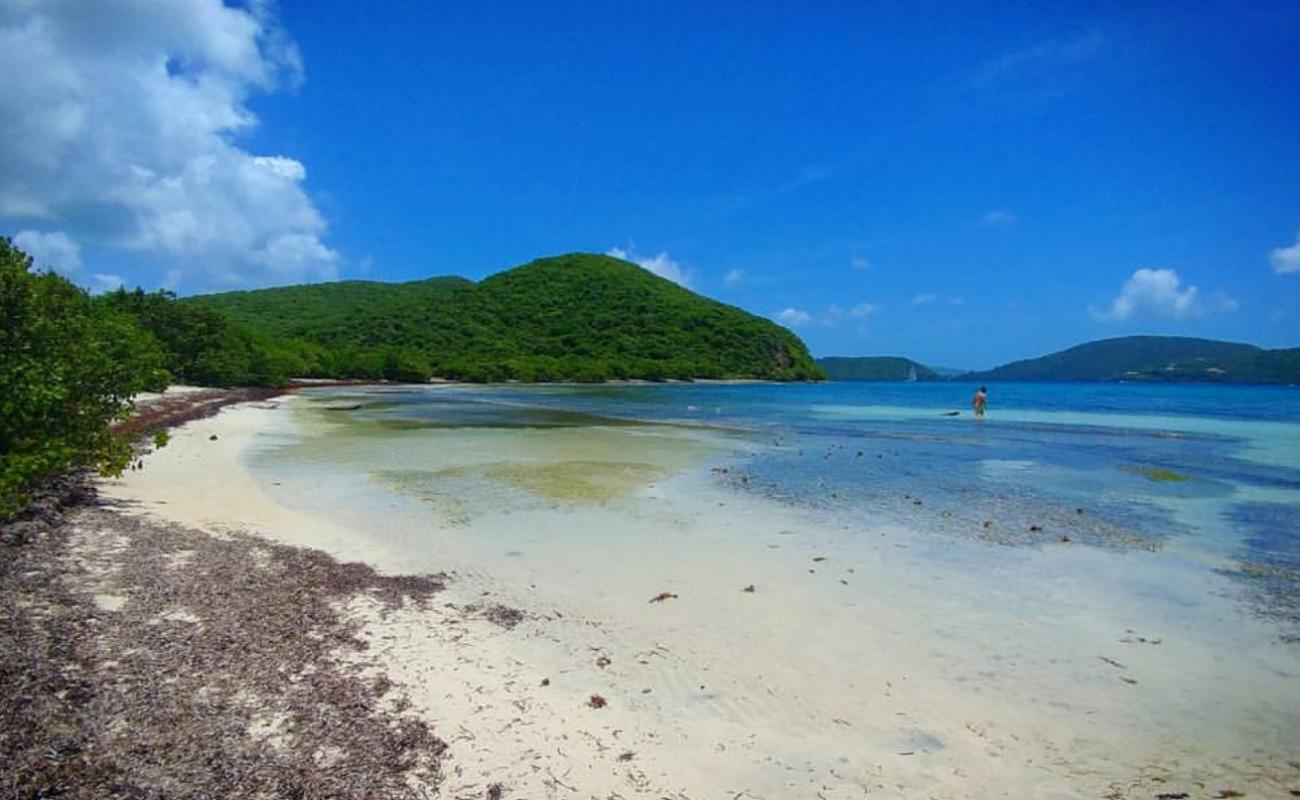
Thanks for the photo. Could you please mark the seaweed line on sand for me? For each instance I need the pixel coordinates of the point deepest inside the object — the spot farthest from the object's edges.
(141, 659)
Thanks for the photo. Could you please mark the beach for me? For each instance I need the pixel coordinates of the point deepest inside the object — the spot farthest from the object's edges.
(672, 638)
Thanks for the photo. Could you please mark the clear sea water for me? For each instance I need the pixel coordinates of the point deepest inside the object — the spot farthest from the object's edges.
(1210, 474)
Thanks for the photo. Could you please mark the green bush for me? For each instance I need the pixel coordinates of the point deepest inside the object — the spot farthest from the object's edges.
(68, 370)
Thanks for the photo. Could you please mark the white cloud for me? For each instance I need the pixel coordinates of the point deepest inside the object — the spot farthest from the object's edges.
(1286, 260)
(662, 265)
(734, 277)
(831, 317)
(1222, 302)
(793, 317)
(1043, 57)
(998, 218)
(122, 132)
(810, 174)
(926, 299)
(859, 263)
(1160, 293)
(107, 283)
(55, 250)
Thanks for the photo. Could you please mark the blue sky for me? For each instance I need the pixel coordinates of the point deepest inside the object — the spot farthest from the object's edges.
(964, 185)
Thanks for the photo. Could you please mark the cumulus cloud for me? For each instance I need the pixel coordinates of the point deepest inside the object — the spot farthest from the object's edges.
(793, 317)
(734, 277)
(123, 132)
(1160, 293)
(1286, 259)
(863, 310)
(998, 218)
(55, 250)
(662, 265)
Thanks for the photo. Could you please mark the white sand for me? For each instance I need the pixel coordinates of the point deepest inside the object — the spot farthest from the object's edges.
(901, 665)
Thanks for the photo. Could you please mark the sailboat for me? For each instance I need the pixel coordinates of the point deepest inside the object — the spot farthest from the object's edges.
(911, 374)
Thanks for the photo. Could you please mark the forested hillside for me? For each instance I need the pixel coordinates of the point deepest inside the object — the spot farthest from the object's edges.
(573, 317)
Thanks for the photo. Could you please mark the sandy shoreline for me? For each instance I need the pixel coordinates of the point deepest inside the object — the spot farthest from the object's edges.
(896, 691)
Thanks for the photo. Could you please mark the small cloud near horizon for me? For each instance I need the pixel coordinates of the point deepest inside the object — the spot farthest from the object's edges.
(54, 250)
(662, 264)
(1286, 260)
(793, 317)
(1160, 293)
(734, 277)
(830, 318)
(107, 283)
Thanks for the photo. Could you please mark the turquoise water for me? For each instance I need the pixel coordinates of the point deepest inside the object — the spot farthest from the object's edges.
(1210, 474)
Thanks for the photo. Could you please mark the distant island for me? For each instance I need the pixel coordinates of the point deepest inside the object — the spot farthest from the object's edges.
(1155, 359)
(876, 368)
(1137, 359)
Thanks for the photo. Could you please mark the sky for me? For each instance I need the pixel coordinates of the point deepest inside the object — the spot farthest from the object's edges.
(961, 183)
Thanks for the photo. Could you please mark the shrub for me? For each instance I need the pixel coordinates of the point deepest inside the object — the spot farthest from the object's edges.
(68, 369)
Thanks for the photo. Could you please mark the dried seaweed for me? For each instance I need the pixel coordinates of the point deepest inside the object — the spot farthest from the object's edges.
(172, 411)
(502, 615)
(223, 673)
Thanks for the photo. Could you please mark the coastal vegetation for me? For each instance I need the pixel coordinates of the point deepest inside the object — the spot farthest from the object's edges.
(69, 367)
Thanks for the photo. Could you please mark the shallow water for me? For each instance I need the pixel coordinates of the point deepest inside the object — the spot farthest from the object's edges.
(1106, 575)
(1209, 473)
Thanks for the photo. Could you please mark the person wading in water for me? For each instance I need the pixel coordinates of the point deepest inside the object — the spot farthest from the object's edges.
(980, 400)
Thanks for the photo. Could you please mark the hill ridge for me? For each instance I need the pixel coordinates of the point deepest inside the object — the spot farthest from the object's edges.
(576, 316)
(1153, 358)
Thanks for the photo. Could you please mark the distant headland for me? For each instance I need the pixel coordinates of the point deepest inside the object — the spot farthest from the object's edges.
(1137, 359)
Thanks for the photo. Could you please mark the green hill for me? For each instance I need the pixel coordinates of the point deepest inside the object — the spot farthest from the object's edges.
(875, 368)
(571, 317)
(1172, 359)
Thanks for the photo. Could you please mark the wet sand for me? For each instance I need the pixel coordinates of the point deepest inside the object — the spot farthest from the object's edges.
(866, 664)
